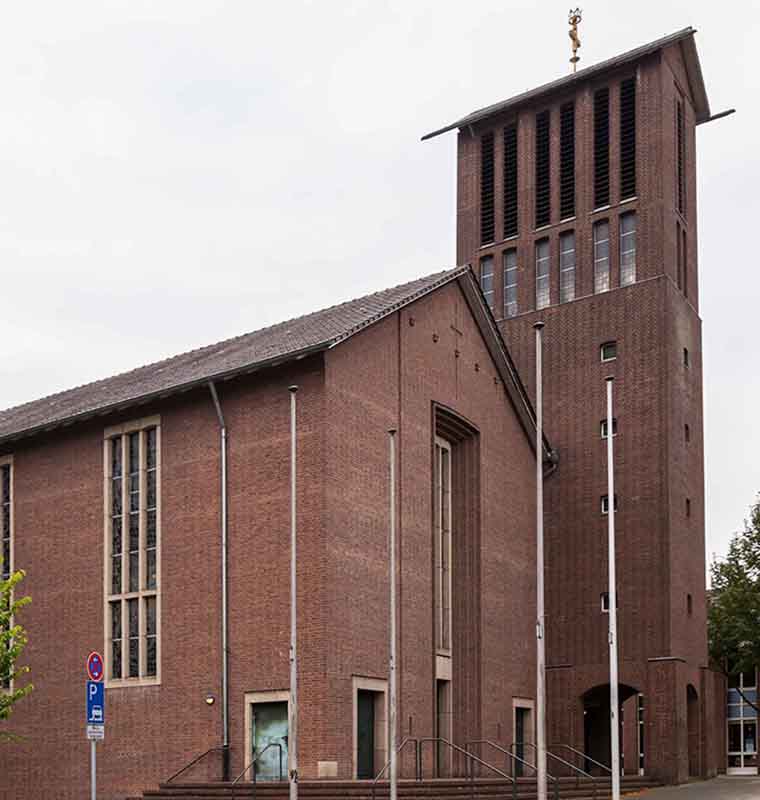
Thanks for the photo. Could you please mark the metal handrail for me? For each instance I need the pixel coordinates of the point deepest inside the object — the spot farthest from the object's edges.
(584, 756)
(399, 749)
(253, 763)
(195, 761)
(514, 758)
(580, 772)
(466, 754)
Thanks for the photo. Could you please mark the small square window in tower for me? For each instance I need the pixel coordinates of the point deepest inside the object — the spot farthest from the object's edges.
(628, 139)
(487, 218)
(510, 181)
(606, 504)
(608, 351)
(543, 169)
(601, 148)
(567, 161)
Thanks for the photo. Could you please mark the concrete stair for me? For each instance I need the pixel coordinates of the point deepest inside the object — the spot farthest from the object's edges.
(431, 789)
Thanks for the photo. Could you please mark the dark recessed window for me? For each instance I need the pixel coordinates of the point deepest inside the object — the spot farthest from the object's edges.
(510, 181)
(543, 170)
(686, 361)
(567, 161)
(601, 148)
(628, 139)
(603, 427)
(680, 158)
(606, 504)
(687, 432)
(689, 605)
(487, 218)
(685, 269)
(604, 599)
(608, 351)
(688, 507)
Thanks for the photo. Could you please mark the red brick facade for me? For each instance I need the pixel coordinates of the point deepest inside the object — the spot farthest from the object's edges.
(659, 474)
(393, 373)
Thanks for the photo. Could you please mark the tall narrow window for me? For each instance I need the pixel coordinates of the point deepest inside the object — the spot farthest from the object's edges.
(6, 550)
(601, 147)
(510, 283)
(487, 218)
(567, 161)
(680, 158)
(679, 258)
(567, 267)
(684, 258)
(627, 249)
(628, 139)
(132, 539)
(510, 181)
(543, 170)
(602, 256)
(486, 279)
(442, 488)
(542, 274)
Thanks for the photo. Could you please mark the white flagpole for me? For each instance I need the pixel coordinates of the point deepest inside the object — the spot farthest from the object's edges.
(540, 628)
(392, 659)
(612, 590)
(293, 705)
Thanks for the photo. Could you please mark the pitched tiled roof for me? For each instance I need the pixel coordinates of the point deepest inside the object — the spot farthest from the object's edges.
(692, 63)
(265, 347)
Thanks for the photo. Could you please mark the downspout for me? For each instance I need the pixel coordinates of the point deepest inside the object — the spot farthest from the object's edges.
(225, 660)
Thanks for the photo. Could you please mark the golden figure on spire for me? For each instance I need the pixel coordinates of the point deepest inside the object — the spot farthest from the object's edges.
(574, 19)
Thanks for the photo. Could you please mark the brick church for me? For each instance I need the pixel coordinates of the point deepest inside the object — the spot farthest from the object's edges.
(577, 207)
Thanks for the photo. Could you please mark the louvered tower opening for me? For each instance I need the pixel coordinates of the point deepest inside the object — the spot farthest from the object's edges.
(601, 148)
(628, 139)
(487, 218)
(510, 181)
(543, 170)
(567, 161)
(680, 157)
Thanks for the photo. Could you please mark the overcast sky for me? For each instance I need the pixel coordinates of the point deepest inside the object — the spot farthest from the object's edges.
(173, 173)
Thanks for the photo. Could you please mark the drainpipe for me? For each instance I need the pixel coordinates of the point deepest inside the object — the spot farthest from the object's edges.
(225, 660)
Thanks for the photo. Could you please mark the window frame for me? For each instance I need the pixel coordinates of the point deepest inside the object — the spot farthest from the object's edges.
(490, 294)
(606, 497)
(141, 594)
(629, 215)
(567, 292)
(507, 286)
(596, 242)
(601, 351)
(603, 428)
(547, 260)
(443, 617)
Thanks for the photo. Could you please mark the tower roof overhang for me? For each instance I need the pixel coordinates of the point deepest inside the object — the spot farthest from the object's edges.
(684, 37)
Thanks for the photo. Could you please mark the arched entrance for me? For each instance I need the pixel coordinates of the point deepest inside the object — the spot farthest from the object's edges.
(692, 720)
(596, 723)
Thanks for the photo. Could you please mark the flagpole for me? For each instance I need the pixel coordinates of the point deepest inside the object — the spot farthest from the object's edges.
(540, 614)
(293, 705)
(612, 591)
(392, 658)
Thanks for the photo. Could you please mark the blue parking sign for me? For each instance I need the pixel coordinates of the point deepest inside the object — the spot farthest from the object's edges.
(96, 710)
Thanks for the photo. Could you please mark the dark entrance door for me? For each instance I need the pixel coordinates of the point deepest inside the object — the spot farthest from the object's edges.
(520, 734)
(365, 734)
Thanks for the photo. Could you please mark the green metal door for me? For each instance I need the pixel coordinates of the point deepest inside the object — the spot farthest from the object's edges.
(269, 725)
(365, 734)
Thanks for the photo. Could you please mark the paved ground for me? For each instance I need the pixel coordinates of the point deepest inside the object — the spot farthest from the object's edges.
(722, 788)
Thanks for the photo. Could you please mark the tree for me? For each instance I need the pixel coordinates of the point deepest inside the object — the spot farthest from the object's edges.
(13, 639)
(734, 607)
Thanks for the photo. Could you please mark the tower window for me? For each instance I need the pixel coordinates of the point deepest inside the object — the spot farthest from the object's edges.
(689, 605)
(606, 504)
(688, 507)
(567, 267)
(601, 256)
(686, 361)
(628, 249)
(567, 161)
(679, 263)
(604, 599)
(687, 432)
(510, 181)
(443, 543)
(601, 148)
(510, 283)
(543, 170)
(685, 270)
(542, 274)
(603, 427)
(486, 279)
(680, 158)
(608, 351)
(628, 139)
(487, 219)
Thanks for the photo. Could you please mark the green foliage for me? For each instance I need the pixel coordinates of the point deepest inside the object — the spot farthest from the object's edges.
(734, 608)
(13, 639)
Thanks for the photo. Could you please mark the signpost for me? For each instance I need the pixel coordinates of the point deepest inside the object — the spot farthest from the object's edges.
(96, 715)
